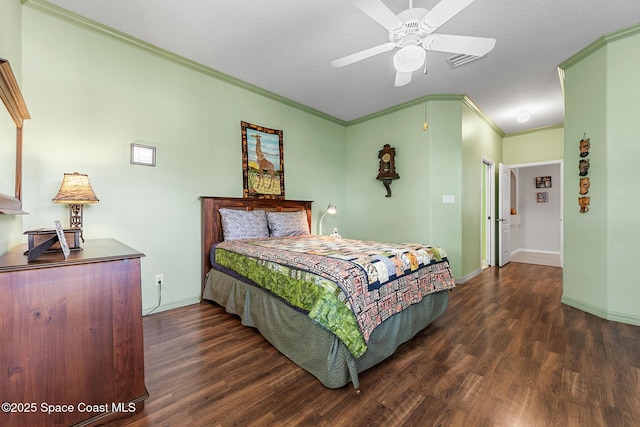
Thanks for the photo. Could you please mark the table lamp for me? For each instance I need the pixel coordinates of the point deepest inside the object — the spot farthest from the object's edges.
(331, 210)
(75, 191)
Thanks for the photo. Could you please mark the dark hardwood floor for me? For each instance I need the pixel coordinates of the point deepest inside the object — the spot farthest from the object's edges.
(505, 353)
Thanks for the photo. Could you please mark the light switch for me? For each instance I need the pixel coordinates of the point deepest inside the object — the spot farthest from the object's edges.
(448, 198)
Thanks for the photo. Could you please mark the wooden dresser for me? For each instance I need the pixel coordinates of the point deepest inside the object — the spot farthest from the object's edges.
(71, 345)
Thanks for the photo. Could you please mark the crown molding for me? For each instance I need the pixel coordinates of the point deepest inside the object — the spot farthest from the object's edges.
(464, 99)
(599, 44)
(111, 33)
(404, 105)
(469, 103)
(108, 32)
(540, 129)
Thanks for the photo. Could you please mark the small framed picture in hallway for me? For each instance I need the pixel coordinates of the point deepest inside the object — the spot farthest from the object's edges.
(262, 162)
(543, 182)
(542, 197)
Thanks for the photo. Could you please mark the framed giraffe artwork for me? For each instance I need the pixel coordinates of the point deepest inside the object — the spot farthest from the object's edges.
(262, 162)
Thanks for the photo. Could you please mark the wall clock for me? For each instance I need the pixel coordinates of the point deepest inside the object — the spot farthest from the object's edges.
(387, 167)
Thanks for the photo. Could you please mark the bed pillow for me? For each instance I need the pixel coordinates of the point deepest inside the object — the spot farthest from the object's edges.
(283, 224)
(239, 224)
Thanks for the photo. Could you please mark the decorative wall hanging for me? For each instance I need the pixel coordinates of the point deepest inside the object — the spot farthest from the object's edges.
(583, 166)
(585, 145)
(262, 162)
(387, 167)
(542, 197)
(543, 182)
(583, 202)
(585, 183)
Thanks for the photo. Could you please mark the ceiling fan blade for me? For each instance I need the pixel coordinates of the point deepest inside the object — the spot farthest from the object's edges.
(363, 54)
(402, 78)
(477, 46)
(442, 12)
(379, 13)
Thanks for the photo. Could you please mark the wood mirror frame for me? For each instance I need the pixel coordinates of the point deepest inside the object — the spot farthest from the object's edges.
(12, 99)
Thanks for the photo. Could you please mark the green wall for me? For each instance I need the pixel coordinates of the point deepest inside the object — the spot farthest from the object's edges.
(405, 215)
(479, 141)
(445, 163)
(601, 92)
(409, 214)
(623, 203)
(11, 50)
(91, 96)
(538, 145)
(444, 160)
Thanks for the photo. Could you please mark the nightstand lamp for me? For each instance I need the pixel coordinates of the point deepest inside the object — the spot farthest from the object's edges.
(331, 210)
(75, 191)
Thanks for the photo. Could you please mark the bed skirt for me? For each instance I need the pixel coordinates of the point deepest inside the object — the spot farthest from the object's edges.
(309, 345)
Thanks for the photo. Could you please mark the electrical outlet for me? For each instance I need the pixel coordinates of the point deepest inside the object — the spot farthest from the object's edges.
(159, 279)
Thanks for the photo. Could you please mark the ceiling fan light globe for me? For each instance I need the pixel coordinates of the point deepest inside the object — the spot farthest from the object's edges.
(409, 59)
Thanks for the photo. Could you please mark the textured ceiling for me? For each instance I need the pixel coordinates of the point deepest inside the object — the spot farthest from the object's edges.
(286, 47)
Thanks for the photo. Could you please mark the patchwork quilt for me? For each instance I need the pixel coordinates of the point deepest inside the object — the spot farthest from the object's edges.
(347, 286)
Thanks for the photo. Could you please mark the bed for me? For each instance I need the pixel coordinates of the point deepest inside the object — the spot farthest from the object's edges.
(315, 321)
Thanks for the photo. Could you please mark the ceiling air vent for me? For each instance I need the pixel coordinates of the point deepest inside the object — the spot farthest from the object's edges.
(456, 61)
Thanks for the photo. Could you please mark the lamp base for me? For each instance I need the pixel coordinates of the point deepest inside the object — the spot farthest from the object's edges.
(75, 218)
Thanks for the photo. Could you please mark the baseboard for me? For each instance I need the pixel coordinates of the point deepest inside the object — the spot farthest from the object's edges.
(172, 305)
(592, 309)
(535, 251)
(468, 277)
(630, 319)
(604, 314)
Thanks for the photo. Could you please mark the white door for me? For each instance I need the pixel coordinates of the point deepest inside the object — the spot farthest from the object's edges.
(488, 213)
(504, 214)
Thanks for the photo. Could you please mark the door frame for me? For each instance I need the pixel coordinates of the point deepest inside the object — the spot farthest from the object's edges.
(552, 162)
(488, 196)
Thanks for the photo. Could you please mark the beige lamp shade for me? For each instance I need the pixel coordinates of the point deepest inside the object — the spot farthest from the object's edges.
(75, 190)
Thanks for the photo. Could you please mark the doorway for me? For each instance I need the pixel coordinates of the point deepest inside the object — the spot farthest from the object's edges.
(537, 213)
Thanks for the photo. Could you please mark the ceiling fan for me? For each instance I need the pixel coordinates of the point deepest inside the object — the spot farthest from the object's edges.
(412, 31)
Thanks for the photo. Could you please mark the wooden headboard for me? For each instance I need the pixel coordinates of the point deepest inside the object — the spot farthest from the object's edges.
(212, 226)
